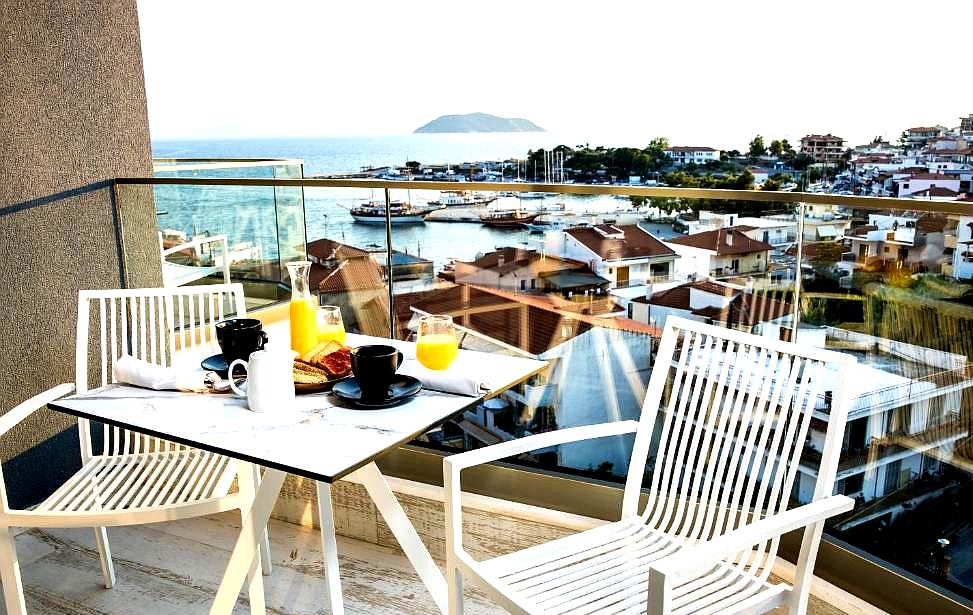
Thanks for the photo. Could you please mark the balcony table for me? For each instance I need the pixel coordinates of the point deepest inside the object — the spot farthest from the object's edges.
(319, 440)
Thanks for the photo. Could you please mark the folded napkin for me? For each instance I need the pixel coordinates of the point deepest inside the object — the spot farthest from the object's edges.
(448, 380)
(129, 370)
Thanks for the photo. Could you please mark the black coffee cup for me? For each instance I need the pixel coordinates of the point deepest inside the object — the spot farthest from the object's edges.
(238, 337)
(374, 366)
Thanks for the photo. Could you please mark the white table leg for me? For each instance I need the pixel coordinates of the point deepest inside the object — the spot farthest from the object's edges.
(329, 547)
(248, 479)
(403, 530)
(242, 562)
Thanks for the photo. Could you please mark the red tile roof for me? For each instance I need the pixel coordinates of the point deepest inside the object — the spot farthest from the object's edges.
(328, 249)
(723, 241)
(500, 315)
(935, 191)
(744, 308)
(636, 242)
(515, 258)
(350, 274)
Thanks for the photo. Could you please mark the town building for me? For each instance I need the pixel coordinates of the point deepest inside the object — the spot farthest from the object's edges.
(349, 277)
(777, 231)
(692, 155)
(966, 123)
(918, 136)
(911, 242)
(713, 302)
(825, 149)
(959, 245)
(917, 182)
(627, 255)
(724, 252)
(520, 270)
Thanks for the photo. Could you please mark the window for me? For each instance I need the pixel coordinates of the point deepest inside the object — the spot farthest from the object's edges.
(523, 285)
(533, 283)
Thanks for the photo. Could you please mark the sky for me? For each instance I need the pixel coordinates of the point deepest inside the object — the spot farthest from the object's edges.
(699, 73)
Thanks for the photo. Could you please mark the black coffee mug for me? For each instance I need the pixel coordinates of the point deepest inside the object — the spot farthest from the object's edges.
(374, 366)
(238, 337)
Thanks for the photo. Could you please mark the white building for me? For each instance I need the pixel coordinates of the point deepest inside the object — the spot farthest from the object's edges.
(918, 182)
(963, 250)
(696, 155)
(722, 252)
(777, 231)
(627, 255)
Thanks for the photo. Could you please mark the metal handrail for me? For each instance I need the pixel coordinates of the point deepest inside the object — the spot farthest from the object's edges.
(844, 200)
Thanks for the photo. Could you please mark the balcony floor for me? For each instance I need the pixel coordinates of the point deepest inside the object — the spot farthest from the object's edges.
(174, 568)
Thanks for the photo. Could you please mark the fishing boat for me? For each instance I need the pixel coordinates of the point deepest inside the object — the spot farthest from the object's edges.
(463, 198)
(508, 219)
(400, 212)
(543, 227)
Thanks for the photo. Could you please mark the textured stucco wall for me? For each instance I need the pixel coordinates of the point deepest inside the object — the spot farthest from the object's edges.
(72, 118)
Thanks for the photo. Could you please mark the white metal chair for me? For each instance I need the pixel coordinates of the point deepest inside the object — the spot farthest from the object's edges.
(177, 274)
(728, 414)
(132, 479)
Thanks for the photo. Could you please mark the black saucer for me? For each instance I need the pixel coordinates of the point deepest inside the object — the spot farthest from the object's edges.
(217, 363)
(401, 388)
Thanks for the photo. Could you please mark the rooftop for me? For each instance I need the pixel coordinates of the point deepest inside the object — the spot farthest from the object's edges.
(723, 241)
(619, 242)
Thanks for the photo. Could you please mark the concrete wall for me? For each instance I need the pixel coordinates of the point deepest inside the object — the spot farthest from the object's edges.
(72, 118)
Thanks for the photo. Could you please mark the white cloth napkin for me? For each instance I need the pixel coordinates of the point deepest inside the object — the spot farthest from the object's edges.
(448, 380)
(141, 373)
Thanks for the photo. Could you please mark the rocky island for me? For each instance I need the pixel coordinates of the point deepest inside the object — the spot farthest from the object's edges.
(479, 122)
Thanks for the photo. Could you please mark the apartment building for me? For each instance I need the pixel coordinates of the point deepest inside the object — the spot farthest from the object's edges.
(722, 252)
(825, 149)
(696, 155)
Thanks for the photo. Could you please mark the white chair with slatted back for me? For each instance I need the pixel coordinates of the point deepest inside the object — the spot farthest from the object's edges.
(128, 478)
(730, 413)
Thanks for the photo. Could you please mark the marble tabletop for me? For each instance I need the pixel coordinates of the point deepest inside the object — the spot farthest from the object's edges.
(317, 438)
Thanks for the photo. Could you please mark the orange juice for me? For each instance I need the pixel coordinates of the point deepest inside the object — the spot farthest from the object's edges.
(304, 325)
(327, 333)
(436, 351)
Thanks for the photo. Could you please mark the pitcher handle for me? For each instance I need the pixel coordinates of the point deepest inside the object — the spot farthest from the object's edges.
(229, 373)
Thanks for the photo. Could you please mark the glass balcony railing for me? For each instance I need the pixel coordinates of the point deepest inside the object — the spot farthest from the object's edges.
(584, 280)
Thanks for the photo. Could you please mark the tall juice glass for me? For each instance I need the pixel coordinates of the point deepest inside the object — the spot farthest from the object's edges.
(304, 326)
(436, 346)
(330, 325)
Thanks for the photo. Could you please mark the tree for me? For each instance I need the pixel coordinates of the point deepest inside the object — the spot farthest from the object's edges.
(655, 154)
(412, 165)
(771, 185)
(776, 148)
(757, 148)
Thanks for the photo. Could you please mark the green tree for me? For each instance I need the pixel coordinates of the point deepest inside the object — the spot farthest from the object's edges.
(757, 148)
(776, 148)
(412, 165)
(771, 185)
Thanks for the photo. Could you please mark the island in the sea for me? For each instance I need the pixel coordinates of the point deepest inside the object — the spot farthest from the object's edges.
(479, 122)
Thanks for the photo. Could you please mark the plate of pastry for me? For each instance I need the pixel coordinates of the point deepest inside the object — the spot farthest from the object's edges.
(320, 367)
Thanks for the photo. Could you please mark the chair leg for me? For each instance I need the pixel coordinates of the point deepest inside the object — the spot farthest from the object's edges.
(454, 579)
(13, 589)
(104, 551)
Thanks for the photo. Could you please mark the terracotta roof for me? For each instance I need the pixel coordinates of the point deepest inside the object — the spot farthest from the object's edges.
(515, 258)
(923, 129)
(350, 274)
(863, 230)
(745, 308)
(635, 243)
(827, 137)
(932, 223)
(723, 241)
(935, 191)
(328, 249)
(545, 327)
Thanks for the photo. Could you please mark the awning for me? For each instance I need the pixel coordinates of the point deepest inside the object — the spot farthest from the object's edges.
(827, 231)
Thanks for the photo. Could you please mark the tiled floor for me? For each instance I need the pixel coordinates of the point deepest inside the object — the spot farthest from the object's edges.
(174, 568)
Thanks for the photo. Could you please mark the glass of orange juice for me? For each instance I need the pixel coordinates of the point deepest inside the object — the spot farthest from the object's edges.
(330, 325)
(436, 346)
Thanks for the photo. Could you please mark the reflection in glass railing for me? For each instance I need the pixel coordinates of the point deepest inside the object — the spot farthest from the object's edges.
(263, 226)
(893, 289)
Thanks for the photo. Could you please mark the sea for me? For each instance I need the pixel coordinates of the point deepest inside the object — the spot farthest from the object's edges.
(247, 215)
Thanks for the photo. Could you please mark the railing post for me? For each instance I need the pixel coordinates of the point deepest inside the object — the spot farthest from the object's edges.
(388, 259)
(801, 209)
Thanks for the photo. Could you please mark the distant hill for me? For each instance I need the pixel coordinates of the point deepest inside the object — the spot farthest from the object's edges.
(479, 122)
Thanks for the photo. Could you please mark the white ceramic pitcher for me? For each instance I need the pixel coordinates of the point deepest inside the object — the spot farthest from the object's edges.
(270, 380)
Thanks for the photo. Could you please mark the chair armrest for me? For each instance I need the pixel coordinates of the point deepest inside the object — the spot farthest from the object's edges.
(479, 456)
(452, 466)
(25, 409)
(196, 243)
(742, 538)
